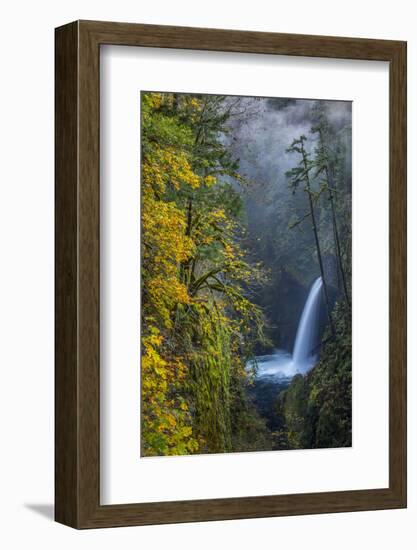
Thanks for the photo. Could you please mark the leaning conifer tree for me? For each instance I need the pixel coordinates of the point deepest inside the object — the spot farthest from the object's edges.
(322, 167)
(300, 176)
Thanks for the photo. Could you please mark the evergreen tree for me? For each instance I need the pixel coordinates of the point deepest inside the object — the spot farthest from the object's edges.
(300, 174)
(323, 166)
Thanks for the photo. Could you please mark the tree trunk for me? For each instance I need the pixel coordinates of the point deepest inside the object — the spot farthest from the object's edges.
(335, 228)
(316, 237)
(336, 238)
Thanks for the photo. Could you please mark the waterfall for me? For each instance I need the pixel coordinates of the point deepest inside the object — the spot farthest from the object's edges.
(280, 364)
(306, 342)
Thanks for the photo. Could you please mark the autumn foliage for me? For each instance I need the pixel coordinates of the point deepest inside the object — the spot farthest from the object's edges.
(198, 322)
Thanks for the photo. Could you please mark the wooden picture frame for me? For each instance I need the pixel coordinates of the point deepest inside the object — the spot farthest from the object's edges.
(77, 405)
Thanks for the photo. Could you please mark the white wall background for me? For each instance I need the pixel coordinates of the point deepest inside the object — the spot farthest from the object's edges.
(26, 272)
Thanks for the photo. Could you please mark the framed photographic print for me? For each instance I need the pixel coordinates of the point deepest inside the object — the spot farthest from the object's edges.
(230, 274)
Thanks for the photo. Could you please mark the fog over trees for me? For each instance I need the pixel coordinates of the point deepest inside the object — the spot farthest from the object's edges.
(277, 217)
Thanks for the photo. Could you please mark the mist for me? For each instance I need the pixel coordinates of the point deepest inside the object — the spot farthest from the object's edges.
(260, 135)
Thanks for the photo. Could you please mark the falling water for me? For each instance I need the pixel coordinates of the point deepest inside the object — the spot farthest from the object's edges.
(306, 342)
(281, 365)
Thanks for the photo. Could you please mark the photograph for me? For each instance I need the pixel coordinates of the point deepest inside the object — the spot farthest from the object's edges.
(246, 273)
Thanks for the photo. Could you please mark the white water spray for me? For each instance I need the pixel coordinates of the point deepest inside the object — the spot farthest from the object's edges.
(306, 342)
